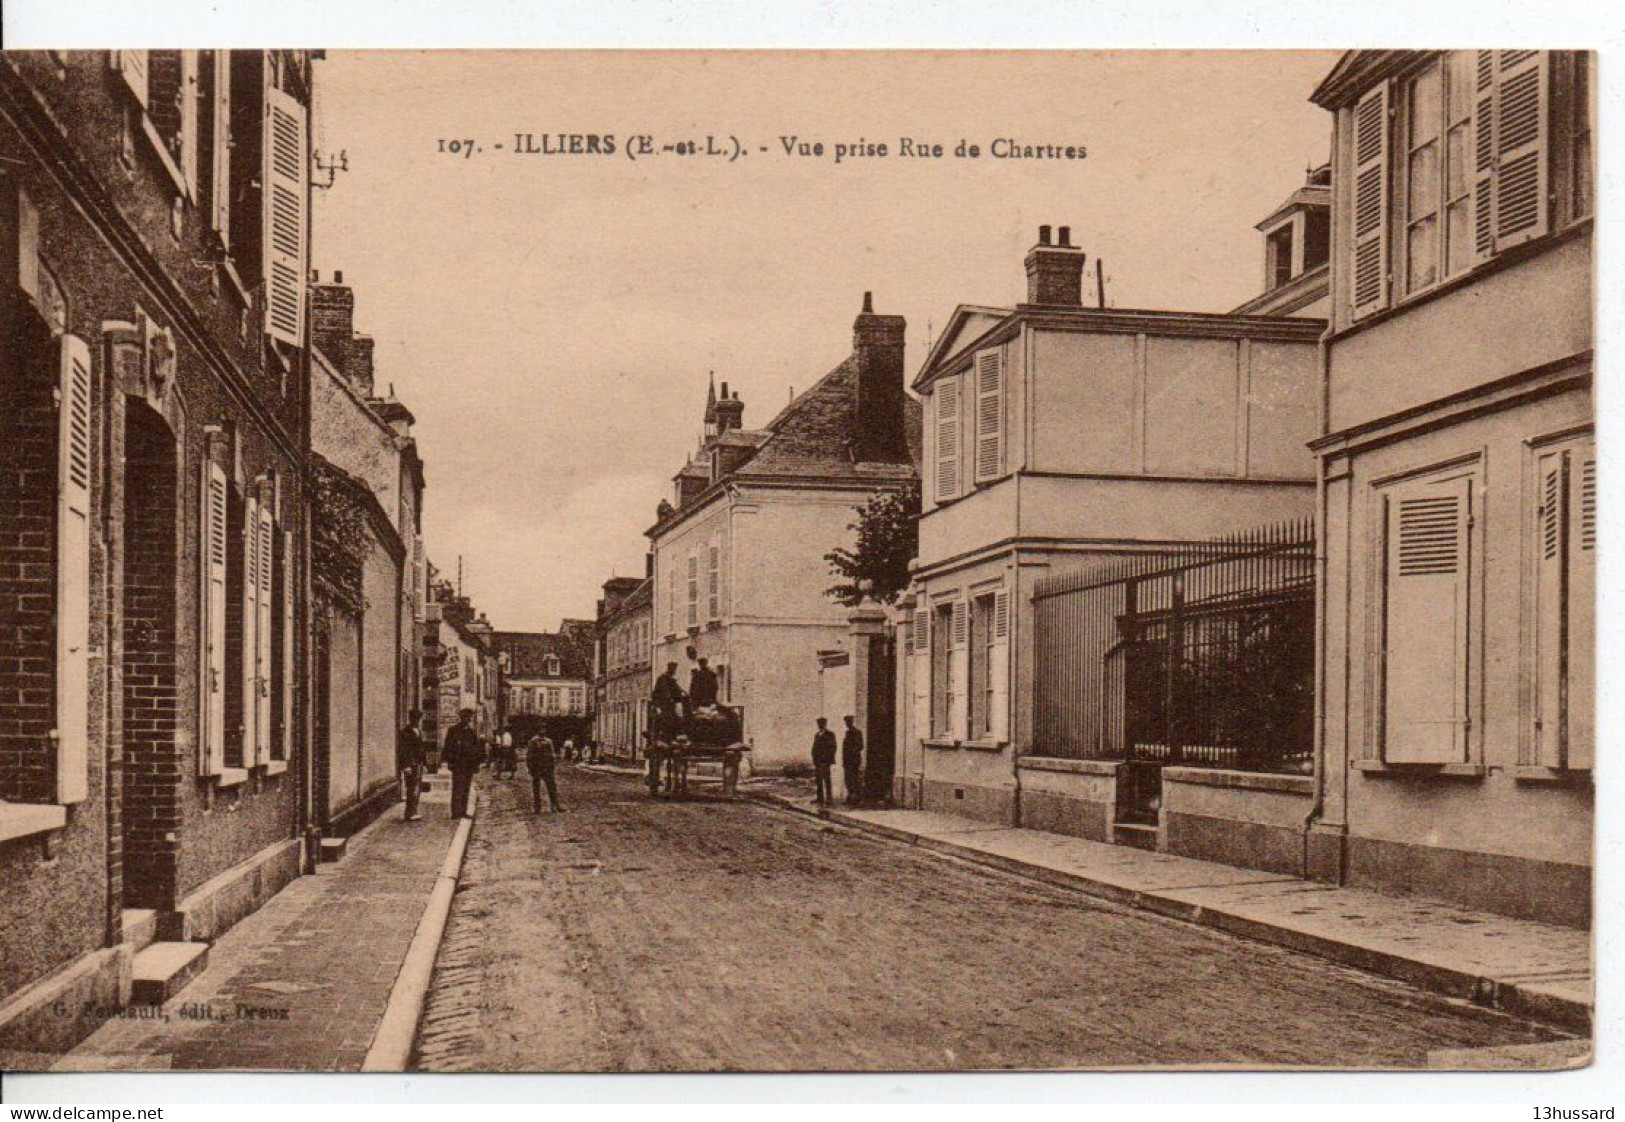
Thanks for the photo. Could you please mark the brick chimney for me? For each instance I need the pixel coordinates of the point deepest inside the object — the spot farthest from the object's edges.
(1055, 271)
(730, 411)
(332, 320)
(877, 352)
(358, 364)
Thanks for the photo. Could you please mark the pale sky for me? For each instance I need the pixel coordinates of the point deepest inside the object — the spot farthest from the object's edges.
(552, 320)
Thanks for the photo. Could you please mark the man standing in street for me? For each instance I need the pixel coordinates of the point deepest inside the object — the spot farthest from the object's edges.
(852, 762)
(409, 763)
(464, 756)
(539, 761)
(823, 755)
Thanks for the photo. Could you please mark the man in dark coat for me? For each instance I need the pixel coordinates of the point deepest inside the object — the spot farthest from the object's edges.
(823, 757)
(409, 762)
(852, 762)
(463, 755)
(540, 763)
(663, 703)
(702, 686)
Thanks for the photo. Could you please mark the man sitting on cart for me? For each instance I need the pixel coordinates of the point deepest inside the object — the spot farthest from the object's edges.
(702, 687)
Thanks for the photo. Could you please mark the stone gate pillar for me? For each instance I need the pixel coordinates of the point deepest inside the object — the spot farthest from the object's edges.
(874, 697)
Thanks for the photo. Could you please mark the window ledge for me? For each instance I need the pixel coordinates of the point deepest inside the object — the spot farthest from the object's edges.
(21, 820)
(944, 745)
(1244, 780)
(276, 767)
(231, 777)
(1553, 776)
(1457, 771)
(983, 745)
(1070, 766)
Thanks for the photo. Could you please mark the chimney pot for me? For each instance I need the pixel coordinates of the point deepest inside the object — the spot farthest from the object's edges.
(1055, 271)
(338, 276)
(1043, 235)
(868, 303)
(1066, 236)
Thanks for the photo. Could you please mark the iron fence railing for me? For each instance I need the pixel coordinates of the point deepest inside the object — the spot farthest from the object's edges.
(1201, 655)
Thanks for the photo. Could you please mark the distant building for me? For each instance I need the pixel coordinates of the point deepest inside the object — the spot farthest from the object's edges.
(1458, 481)
(739, 573)
(622, 666)
(460, 667)
(546, 682)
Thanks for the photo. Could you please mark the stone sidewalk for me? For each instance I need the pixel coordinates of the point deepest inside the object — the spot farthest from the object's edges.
(302, 984)
(1529, 969)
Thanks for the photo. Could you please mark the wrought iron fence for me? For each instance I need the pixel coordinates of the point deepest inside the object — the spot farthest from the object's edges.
(1202, 655)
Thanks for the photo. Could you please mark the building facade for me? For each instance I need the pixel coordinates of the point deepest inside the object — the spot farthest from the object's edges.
(460, 667)
(625, 622)
(1060, 437)
(154, 220)
(1457, 481)
(740, 576)
(547, 681)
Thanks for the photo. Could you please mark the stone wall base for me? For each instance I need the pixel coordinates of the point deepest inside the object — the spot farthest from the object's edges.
(363, 812)
(1247, 845)
(1545, 891)
(214, 907)
(1066, 814)
(987, 804)
(48, 1018)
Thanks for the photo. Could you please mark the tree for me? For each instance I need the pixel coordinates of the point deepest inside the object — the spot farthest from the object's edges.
(888, 537)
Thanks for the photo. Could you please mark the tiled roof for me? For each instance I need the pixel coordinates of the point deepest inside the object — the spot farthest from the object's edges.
(811, 436)
(527, 653)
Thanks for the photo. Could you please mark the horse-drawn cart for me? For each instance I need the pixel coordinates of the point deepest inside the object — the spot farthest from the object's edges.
(710, 735)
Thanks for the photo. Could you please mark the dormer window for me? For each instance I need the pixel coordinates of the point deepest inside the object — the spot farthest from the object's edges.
(1278, 256)
(552, 665)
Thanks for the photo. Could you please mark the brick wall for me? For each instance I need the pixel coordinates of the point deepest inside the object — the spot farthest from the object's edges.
(152, 763)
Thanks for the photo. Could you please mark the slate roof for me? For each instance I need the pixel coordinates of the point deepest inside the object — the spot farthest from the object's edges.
(812, 434)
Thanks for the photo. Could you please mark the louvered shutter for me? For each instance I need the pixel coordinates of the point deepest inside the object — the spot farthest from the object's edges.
(250, 642)
(1425, 634)
(1484, 154)
(288, 676)
(989, 416)
(946, 397)
(1550, 517)
(213, 754)
(1582, 639)
(285, 218)
(1368, 242)
(693, 589)
(220, 141)
(959, 667)
(1521, 146)
(189, 121)
(714, 583)
(262, 631)
(999, 668)
(133, 66)
(920, 671)
(73, 574)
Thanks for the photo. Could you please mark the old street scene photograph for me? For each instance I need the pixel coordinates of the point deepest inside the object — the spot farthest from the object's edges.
(796, 561)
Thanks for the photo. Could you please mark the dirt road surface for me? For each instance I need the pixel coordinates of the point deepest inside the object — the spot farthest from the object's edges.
(637, 935)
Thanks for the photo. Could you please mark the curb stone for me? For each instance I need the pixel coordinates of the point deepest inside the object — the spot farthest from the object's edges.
(1506, 996)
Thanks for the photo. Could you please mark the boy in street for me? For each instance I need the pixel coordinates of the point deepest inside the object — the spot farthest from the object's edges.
(539, 762)
(463, 755)
(409, 763)
(852, 762)
(823, 757)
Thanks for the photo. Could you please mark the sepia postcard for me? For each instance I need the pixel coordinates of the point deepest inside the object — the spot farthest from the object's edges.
(678, 561)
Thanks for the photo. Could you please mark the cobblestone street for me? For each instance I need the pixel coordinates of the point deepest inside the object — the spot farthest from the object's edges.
(631, 935)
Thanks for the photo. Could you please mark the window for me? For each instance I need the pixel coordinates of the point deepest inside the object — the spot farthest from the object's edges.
(714, 584)
(1278, 257)
(942, 686)
(1426, 613)
(215, 546)
(693, 590)
(552, 666)
(1564, 535)
(945, 398)
(981, 661)
(1455, 160)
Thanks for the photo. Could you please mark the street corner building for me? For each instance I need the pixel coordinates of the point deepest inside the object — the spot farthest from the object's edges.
(1457, 469)
(739, 571)
(621, 680)
(547, 679)
(153, 258)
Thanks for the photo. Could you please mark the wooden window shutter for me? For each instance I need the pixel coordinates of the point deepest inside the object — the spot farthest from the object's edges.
(714, 583)
(693, 589)
(262, 632)
(289, 677)
(220, 142)
(1551, 518)
(189, 122)
(989, 416)
(74, 467)
(946, 397)
(1522, 172)
(1425, 624)
(285, 218)
(1368, 268)
(1582, 637)
(133, 66)
(212, 757)
(959, 668)
(999, 667)
(250, 643)
(921, 671)
(1484, 154)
